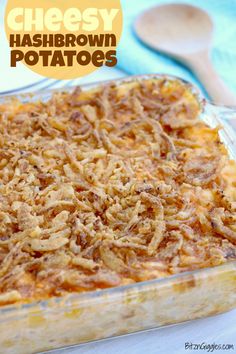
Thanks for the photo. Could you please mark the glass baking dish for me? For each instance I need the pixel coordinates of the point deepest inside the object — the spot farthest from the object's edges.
(82, 317)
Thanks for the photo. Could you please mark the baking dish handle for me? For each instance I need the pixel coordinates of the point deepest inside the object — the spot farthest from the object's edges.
(226, 117)
(222, 114)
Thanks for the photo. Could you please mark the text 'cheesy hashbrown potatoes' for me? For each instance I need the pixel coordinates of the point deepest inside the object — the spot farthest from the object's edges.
(108, 187)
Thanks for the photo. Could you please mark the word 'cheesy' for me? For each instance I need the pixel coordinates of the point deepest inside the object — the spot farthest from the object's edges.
(54, 19)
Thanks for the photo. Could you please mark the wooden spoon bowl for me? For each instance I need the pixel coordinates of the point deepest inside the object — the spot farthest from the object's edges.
(185, 32)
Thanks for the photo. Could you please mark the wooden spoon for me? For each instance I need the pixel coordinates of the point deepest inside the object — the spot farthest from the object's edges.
(185, 32)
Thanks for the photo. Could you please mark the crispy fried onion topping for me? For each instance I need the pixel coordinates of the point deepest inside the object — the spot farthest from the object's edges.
(108, 187)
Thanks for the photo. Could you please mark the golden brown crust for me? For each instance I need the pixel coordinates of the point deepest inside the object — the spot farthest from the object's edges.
(109, 187)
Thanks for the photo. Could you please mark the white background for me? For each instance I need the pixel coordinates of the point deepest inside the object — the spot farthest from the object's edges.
(170, 340)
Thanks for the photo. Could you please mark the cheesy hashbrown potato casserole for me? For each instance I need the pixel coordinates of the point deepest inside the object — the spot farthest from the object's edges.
(108, 187)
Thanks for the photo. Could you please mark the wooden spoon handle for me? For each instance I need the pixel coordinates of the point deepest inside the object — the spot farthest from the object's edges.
(201, 64)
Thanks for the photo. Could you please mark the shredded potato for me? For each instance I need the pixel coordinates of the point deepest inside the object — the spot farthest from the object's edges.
(109, 187)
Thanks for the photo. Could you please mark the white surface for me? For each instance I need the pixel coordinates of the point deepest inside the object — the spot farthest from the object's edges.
(219, 329)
